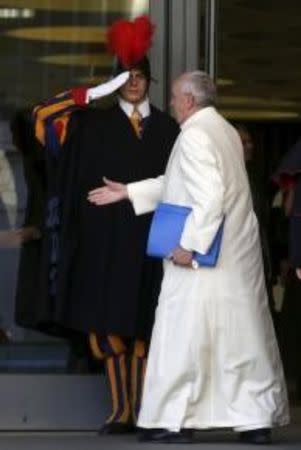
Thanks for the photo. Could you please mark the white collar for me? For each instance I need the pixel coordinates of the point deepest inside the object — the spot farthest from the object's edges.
(195, 116)
(128, 108)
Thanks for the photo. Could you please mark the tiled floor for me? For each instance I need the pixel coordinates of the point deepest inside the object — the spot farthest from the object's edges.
(284, 439)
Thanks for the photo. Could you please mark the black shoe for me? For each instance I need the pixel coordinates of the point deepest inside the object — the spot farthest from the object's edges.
(261, 436)
(161, 435)
(117, 428)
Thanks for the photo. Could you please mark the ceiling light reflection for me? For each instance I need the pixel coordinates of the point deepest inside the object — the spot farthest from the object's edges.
(222, 82)
(259, 114)
(251, 101)
(103, 6)
(87, 59)
(139, 7)
(15, 13)
(61, 34)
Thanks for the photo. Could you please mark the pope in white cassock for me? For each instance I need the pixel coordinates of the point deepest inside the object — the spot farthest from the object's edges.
(213, 360)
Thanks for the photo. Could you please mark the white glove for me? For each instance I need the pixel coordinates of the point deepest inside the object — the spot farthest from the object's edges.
(108, 87)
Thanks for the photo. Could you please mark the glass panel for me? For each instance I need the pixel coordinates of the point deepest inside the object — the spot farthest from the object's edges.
(202, 35)
(258, 75)
(259, 83)
(258, 43)
(46, 47)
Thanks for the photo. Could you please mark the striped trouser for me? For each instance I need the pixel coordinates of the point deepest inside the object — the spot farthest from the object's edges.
(125, 362)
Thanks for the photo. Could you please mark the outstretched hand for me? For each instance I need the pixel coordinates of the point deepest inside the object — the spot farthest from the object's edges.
(112, 192)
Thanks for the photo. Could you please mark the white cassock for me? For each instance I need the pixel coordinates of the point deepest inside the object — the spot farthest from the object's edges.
(214, 359)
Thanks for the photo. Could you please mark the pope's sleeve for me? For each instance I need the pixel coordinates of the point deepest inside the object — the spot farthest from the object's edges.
(145, 194)
(203, 182)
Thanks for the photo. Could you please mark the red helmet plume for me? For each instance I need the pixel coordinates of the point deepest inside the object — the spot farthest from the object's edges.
(130, 41)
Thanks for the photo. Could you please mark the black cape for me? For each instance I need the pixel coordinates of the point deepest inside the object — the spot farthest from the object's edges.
(101, 279)
(290, 168)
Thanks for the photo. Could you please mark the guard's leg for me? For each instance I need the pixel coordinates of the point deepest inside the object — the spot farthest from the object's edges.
(113, 351)
(138, 366)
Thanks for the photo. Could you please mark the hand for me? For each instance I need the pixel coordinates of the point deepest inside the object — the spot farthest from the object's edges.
(15, 238)
(10, 239)
(182, 257)
(288, 201)
(4, 337)
(112, 192)
(298, 273)
(27, 234)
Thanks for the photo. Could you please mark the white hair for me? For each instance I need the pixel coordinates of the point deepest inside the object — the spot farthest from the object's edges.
(200, 86)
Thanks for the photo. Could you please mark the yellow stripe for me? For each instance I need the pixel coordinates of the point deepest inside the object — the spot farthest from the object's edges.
(48, 110)
(113, 386)
(124, 418)
(134, 366)
(117, 344)
(97, 353)
(42, 112)
(140, 348)
(40, 132)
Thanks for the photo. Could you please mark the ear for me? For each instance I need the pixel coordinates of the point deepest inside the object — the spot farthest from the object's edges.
(190, 101)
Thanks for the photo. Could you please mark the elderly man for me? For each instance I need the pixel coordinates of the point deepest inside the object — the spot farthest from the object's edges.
(214, 360)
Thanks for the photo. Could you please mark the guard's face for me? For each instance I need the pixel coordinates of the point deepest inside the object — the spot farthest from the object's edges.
(180, 103)
(136, 88)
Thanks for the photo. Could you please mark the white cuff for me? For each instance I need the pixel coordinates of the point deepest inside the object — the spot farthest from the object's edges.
(107, 88)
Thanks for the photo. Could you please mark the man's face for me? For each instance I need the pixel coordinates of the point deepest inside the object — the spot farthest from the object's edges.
(180, 103)
(136, 88)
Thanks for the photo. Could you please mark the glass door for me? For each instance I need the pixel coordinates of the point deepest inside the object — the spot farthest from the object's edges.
(46, 47)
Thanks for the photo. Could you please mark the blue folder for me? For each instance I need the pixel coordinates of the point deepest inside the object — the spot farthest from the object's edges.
(166, 231)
